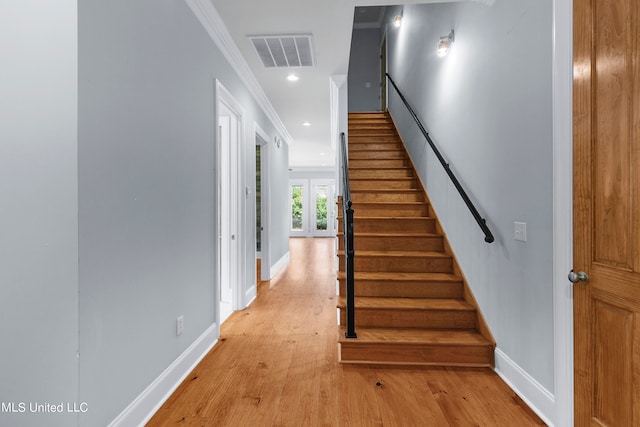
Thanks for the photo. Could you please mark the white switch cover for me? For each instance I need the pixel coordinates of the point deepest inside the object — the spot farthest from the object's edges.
(520, 231)
(179, 325)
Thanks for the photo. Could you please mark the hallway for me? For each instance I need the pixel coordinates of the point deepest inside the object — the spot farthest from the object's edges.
(276, 364)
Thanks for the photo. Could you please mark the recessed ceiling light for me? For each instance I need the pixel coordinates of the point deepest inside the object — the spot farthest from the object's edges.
(306, 124)
(293, 78)
(322, 154)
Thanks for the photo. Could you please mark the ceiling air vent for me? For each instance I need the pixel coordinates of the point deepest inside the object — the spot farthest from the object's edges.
(284, 51)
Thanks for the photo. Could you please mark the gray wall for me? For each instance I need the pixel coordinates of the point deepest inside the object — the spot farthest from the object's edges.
(38, 209)
(279, 216)
(364, 70)
(147, 192)
(488, 106)
(107, 212)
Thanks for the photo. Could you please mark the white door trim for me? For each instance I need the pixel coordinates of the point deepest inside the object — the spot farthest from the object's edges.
(265, 254)
(562, 81)
(223, 96)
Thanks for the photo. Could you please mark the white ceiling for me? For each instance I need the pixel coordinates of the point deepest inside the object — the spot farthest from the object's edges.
(330, 23)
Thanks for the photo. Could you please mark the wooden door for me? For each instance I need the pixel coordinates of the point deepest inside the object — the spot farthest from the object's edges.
(607, 212)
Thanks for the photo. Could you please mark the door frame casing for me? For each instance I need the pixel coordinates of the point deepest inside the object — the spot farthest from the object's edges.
(265, 197)
(223, 96)
(562, 99)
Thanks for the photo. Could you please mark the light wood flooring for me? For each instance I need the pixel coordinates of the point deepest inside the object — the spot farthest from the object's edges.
(276, 364)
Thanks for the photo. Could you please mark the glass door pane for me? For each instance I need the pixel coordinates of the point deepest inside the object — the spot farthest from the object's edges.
(297, 207)
(321, 197)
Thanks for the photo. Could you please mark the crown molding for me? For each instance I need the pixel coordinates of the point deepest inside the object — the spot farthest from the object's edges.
(217, 30)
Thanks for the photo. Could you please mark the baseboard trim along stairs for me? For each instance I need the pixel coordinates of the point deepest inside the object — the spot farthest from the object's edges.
(413, 305)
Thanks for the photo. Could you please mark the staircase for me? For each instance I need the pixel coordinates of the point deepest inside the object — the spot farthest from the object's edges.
(412, 304)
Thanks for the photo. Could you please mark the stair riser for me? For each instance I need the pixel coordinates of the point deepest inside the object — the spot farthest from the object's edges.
(367, 126)
(417, 354)
(391, 210)
(408, 196)
(370, 147)
(370, 155)
(368, 130)
(358, 124)
(374, 139)
(407, 289)
(380, 173)
(381, 184)
(426, 319)
(369, 144)
(395, 243)
(367, 115)
(406, 264)
(409, 225)
(378, 164)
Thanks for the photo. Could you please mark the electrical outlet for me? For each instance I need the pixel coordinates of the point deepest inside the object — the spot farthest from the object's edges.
(179, 325)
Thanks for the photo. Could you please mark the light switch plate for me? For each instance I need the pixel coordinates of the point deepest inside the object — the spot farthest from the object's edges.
(520, 231)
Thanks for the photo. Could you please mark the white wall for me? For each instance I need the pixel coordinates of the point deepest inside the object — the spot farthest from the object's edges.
(38, 210)
(488, 107)
(312, 173)
(364, 70)
(279, 194)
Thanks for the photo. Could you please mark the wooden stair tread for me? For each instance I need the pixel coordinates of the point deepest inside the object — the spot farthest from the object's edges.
(381, 168)
(432, 254)
(396, 277)
(394, 336)
(408, 234)
(358, 215)
(389, 204)
(387, 190)
(381, 149)
(409, 303)
(399, 178)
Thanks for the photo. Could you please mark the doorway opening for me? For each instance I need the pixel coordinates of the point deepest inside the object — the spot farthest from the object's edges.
(383, 74)
(263, 259)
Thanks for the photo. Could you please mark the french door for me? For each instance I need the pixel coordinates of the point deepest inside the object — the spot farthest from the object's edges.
(311, 208)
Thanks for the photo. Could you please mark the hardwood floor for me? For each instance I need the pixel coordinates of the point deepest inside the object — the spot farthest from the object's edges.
(276, 364)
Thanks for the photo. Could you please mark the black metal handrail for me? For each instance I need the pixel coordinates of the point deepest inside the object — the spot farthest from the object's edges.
(481, 221)
(349, 252)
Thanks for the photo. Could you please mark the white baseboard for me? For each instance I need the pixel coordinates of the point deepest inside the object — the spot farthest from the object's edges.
(539, 399)
(250, 295)
(151, 399)
(280, 264)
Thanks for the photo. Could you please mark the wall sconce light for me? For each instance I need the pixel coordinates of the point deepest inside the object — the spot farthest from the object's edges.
(397, 21)
(445, 43)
